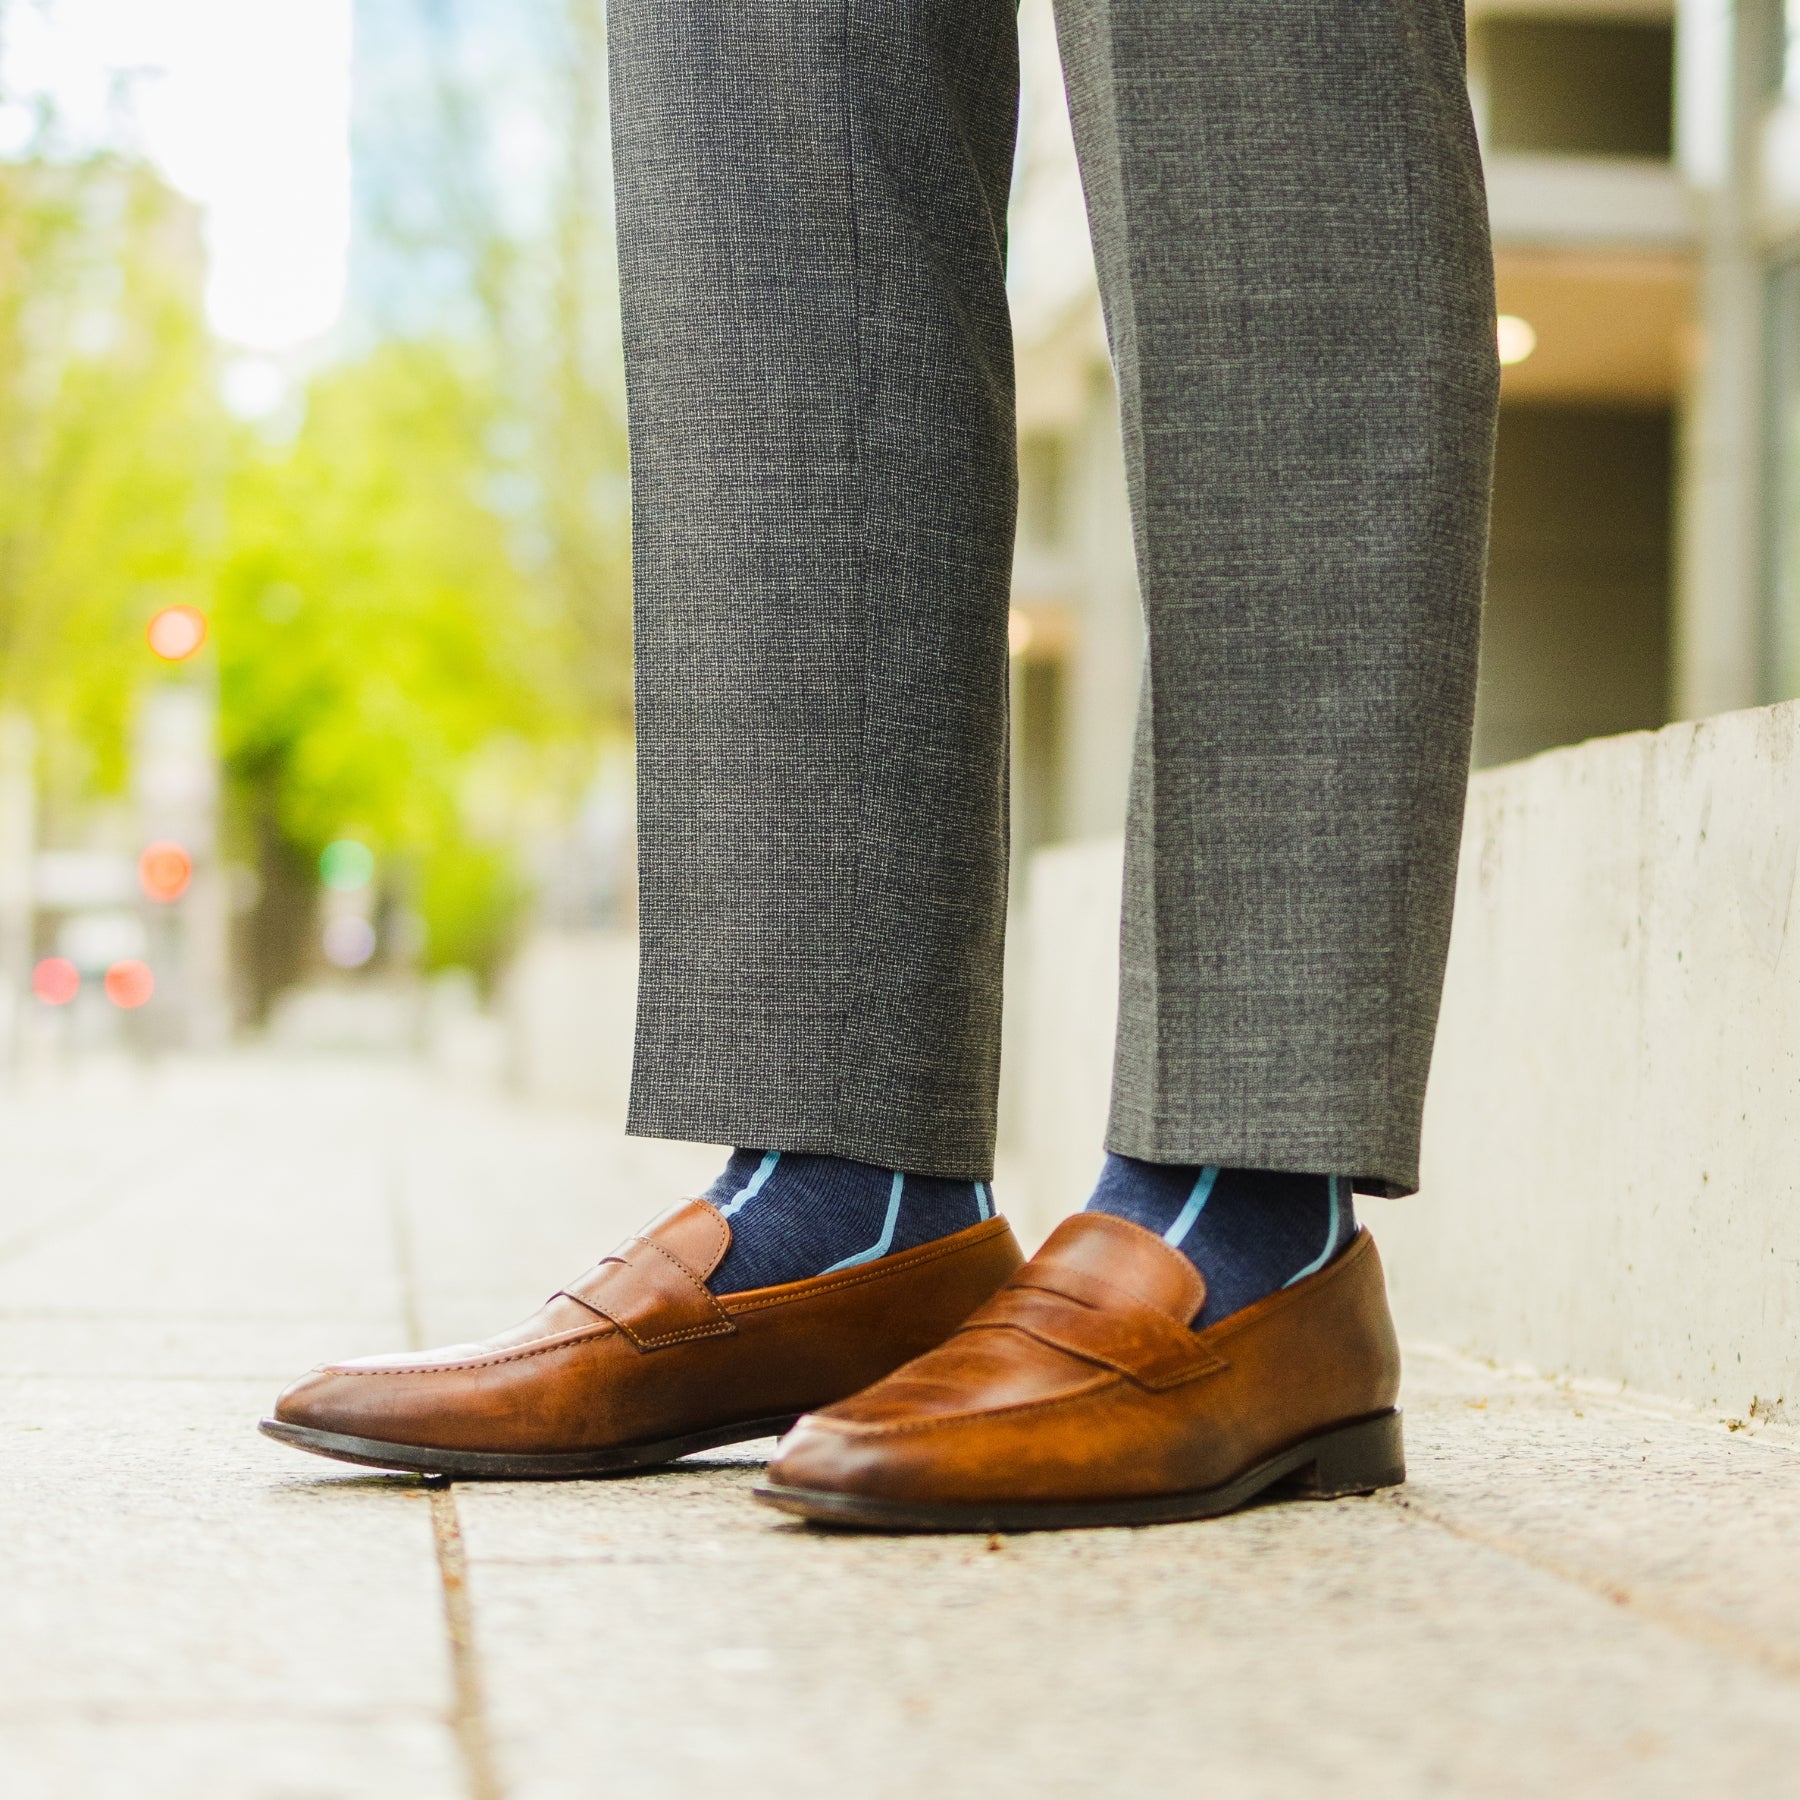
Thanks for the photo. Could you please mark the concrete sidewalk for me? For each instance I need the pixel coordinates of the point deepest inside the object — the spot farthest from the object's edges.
(1576, 1592)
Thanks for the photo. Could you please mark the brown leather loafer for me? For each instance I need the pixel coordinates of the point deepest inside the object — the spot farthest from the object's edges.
(1078, 1395)
(639, 1362)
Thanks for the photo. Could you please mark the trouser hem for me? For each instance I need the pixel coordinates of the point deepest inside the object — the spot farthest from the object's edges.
(799, 1131)
(1386, 1168)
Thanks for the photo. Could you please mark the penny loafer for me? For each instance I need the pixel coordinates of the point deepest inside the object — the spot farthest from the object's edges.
(640, 1362)
(1079, 1395)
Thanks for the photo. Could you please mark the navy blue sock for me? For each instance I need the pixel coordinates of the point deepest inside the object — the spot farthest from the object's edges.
(794, 1216)
(1248, 1231)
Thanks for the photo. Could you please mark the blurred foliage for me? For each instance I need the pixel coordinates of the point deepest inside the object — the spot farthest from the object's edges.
(469, 891)
(112, 443)
(378, 640)
(454, 244)
(417, 576)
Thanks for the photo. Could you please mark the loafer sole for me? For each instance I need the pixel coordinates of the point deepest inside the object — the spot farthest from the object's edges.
(510, 1465)
(1355, 1458)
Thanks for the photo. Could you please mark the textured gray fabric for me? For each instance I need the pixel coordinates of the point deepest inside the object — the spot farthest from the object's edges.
(1292, 239)
(1288, 216)
(812, 201)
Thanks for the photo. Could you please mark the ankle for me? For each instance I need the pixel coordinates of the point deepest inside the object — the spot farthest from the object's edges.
(794, 1215)
(1249, 1232)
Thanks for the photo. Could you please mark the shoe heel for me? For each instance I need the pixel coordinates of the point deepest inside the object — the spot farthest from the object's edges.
(1356, 1459)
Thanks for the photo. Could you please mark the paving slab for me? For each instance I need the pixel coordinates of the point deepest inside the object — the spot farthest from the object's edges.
(186, 1609)
(105, 1757)
(187, 1613)
(1578, 1591)
(1679, 1516)
(670, 1633)
(180, 1558)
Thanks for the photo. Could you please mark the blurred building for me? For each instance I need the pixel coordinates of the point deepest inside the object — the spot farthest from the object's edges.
(1643, 166)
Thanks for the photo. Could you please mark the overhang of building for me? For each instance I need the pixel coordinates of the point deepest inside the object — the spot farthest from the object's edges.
(1612, 327)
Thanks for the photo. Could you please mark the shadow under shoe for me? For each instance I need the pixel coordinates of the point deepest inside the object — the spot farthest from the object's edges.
(1079, 1395)
(639, 1362)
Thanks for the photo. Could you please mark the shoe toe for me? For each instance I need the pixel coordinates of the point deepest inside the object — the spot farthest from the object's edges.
(320, 1400)
(371, 1396)
(827, 1456)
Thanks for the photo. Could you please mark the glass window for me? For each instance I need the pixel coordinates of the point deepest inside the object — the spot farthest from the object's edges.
(1577, 87)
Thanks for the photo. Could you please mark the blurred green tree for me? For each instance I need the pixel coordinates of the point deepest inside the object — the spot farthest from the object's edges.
(419, 593)
(112, 446)
(455, 242)
(386, 662)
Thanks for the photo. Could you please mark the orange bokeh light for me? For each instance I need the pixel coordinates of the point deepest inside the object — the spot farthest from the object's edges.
(129, 984)
(56, 981)
(164, 871)
(177, 632)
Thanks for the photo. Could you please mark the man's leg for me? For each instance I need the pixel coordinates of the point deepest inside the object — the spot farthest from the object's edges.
(1291, 234)
(1308, 373)
(812, 199)
(812, 202)
(1292, 238)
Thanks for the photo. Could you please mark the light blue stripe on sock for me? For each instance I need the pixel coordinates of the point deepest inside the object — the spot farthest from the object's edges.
(753, 1186)
(1184, 1220)
(880, 1247)
(981, 1200)
(1331, 1232)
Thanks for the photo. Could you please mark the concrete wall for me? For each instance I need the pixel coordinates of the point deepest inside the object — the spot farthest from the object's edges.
(1612, 1149)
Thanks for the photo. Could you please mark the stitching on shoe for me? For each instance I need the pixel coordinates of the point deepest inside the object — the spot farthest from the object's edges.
(567, 1340)
(721, 1236)
(716, 1327)
(719, 1324)
(721, 1329)
(670, 1256)
(543, 1347)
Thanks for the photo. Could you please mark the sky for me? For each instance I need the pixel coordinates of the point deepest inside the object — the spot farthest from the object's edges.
(244, 105)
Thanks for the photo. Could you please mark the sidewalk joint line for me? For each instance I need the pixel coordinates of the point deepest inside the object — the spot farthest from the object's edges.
(468, 1720)
(1716, 1634)
(468, 1710)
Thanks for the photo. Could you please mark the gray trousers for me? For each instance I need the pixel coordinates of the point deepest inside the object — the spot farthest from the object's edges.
(1287, 207)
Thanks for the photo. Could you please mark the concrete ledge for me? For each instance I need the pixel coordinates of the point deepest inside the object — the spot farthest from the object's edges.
(1612, 1147)
(1612, 1144)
